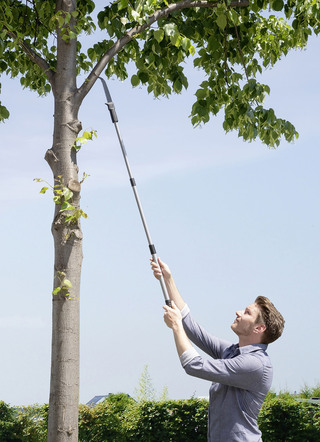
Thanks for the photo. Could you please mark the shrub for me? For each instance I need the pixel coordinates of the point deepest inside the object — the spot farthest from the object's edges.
(176, 421)
(282, 418)
(105, 421)
(32, 422)
(8, 428)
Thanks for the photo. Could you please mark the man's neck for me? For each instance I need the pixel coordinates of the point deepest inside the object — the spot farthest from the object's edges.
(248, 340)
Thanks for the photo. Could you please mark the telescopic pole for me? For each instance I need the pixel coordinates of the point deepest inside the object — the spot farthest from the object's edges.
(152, 248)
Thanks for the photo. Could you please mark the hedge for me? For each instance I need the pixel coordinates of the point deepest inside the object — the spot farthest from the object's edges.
(120, 418)
(283, 418)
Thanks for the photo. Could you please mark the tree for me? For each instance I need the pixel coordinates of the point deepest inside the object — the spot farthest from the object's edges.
(231, 41)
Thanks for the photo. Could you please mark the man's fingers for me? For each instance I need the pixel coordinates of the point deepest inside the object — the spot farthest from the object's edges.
(154, 264)
(167, 308)
(155, 268)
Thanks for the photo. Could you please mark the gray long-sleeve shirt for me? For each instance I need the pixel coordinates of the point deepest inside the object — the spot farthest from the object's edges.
(241, 377)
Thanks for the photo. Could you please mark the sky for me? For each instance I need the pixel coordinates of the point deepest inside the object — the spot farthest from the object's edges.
(233, 220)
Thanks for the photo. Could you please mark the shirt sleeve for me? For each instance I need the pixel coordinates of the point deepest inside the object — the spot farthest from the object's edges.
(208, 343)
(243, 371)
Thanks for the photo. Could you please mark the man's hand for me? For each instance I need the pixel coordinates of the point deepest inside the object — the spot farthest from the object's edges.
(172, 316)
(160, 268)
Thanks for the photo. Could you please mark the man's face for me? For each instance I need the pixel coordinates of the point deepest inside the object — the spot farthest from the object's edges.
(246, 320)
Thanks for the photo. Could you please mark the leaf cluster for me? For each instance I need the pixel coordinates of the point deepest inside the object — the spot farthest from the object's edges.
(25, 28)
(84, 138)
(230, 44)
(63, 196)
(28, 31)
(64, 285)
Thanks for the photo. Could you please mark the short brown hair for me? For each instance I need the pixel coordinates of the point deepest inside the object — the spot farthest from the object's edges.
(271, 318)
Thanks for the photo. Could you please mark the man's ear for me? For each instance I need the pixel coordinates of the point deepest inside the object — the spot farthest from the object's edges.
(259, 328)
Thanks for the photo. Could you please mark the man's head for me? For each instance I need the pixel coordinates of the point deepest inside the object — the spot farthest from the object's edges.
(258, 323)
(272, 319)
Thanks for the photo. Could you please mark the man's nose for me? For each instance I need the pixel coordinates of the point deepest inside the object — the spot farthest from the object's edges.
(239, 312)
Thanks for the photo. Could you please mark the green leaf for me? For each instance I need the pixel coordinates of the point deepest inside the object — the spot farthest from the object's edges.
(176, 39)
(143, 76)
(135, 80)
(87, 135)
(67, 193)
(44, 189)
(201, 94)
(222, 21)
(177, 86)
(170, 29)
(4, 113)
(234, 16)
(192, 50)
(66, 206)
(185, 43)
(277, 5)
(135, 14)
(66, 283)
(122, 4)
(57, 199)
(56, 290)
(159, 35)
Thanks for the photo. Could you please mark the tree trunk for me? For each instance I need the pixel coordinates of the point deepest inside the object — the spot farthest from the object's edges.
(64, 387)
(64, 384)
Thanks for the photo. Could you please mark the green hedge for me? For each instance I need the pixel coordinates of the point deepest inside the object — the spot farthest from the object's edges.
(283, 418)
(25, 425)
(120, 418)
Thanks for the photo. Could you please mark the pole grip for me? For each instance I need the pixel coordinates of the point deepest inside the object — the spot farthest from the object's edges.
(161, 280)
(112, 111)
(165, 292)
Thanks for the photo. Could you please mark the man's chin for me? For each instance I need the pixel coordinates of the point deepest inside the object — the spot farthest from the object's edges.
(234, 327)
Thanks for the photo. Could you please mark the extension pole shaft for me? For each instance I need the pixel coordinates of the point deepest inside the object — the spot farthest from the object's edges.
(152, 248)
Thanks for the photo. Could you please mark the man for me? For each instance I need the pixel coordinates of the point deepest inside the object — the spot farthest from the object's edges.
(241, 374)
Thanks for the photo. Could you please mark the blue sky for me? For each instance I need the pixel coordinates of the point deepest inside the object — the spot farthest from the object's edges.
(233, 220)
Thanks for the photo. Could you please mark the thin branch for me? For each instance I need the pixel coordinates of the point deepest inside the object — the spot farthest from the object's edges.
(241, 53)
(102, 63)
(226, 52)
(34, 57)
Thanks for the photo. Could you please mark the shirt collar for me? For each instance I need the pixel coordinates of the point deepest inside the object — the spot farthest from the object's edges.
(251, 348)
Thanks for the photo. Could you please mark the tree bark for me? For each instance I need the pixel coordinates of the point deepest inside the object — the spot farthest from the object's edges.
(64, 384)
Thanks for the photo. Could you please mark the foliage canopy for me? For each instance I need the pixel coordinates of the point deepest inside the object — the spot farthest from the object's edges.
(231, 42)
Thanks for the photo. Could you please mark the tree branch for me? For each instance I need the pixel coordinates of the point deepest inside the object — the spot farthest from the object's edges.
(35, 58)
(157, 15)
(241, 53)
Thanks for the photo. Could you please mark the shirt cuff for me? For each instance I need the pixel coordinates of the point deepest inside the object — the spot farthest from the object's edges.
(188, 355)
(185, 311)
